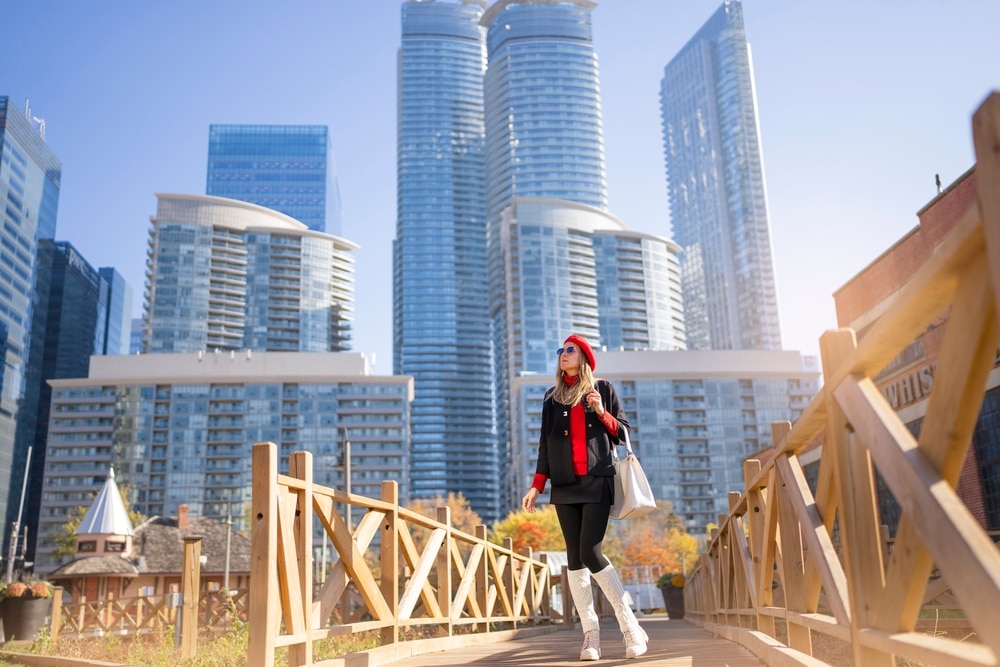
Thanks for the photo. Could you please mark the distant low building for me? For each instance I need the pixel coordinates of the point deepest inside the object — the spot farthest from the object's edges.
(113, 560)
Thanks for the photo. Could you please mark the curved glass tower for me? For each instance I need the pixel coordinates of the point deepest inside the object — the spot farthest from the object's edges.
(718, 200)
(441, 330)
(544, 135)
(228, 275)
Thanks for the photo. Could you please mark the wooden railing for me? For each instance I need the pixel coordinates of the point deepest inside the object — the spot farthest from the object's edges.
(422, 584)
(774, 579)
(130, 616)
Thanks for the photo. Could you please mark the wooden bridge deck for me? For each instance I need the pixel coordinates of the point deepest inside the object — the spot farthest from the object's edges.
(672, 644)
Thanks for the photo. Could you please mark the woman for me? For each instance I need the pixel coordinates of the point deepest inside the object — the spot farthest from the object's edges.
(582, 420)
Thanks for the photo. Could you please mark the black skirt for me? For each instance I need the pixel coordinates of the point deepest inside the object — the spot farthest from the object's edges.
(586, 489)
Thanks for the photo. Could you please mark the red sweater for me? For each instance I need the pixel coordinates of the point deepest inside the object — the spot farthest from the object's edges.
(578, 436)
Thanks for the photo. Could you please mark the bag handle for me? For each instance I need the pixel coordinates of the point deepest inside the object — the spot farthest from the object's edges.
(628, 447)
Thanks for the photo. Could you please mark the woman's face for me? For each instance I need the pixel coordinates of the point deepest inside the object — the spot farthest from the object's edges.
(569, 359)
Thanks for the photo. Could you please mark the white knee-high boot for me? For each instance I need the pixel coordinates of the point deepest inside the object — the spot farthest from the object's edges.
(583, 598)
(635, 637)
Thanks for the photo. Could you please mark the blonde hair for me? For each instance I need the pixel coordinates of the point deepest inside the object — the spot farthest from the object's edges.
(563, 393)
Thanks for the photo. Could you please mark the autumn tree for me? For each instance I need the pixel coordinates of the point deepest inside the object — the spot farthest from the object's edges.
(658, 539)
(539, 530)
(463, 518)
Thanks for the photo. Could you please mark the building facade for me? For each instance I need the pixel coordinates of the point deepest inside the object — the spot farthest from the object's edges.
(716, 188)
(281, 167)
(544, 131)
(694, 415)
(117, 314)
(178, 429)
(30, 177)
(441, 331)
(908, 380)
(228, 275)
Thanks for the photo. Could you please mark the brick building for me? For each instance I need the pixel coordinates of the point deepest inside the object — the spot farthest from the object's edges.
(908, 380)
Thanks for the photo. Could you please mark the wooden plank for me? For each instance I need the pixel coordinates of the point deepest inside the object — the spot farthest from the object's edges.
(389, 564)
(959, 546)
(930, 650)
(190, 585)
(466, 584)
(444, 572)
(336, 582)
(300, 466)
(263, 608)
(820, 546)
(964, 362)
(986, 139)
(858, 516)
(418, 580)
(288, 569)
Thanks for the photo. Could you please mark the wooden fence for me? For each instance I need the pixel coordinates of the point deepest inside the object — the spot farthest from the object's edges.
(422, 584)
(130, 616)
(772, 577)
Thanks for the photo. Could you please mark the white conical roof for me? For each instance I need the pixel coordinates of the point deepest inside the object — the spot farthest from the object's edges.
(107, 514)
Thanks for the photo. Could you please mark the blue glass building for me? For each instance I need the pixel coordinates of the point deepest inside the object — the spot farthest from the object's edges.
(30, 176)
(75, 328)
(282, 167)
(441, 332)
(718, 202)
(116, 315)
(544, 134)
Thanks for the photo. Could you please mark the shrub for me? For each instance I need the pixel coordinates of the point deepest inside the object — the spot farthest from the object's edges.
(672, 579)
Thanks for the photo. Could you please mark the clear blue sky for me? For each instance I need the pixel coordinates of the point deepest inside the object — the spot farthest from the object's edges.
(861, 103)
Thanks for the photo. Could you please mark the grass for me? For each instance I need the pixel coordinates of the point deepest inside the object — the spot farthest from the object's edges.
(157, 649)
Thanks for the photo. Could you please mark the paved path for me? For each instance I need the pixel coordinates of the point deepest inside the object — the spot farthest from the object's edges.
(671, 644)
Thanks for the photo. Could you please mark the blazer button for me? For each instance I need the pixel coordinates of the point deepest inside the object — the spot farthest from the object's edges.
(565, 432)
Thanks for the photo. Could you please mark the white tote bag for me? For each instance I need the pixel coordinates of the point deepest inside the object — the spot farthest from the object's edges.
(633, 497)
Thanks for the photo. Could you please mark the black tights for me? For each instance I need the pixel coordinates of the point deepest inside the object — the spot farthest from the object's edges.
(583, 527)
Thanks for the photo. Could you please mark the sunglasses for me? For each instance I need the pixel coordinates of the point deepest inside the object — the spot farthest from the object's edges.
(569, 349)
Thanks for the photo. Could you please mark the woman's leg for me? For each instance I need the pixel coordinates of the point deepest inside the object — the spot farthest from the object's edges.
(571, 520)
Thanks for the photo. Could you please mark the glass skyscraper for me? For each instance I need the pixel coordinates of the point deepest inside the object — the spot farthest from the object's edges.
(75, 329)
(559, 268)
(544, 134)
(441, 330)
(117, 314)
(282, 167)
(718, 202)
(30, 176)
(228, 275)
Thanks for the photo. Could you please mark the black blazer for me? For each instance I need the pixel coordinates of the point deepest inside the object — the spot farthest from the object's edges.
(555, 449)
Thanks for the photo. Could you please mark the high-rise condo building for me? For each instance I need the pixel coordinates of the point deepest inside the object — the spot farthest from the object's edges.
(179, 428)
(228, 275)
(282, 167)
(30, 176)
(718, 201)
(695, 416)
(558, 268)
(544, 134)
(441, 330)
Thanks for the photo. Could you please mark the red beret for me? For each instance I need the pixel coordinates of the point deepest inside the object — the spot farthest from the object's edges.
(585, 348)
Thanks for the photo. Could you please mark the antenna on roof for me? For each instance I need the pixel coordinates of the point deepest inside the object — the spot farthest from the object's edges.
(937, 182)
(41, 126)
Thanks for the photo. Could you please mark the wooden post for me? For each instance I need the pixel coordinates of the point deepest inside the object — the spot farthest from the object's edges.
(262, 611)
(190, 577)
(300, 466)
(55, 624)
(389, 556)
(444, 572)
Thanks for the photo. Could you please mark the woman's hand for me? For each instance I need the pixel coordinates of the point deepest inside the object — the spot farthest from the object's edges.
(595, 402)
(528, 502)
